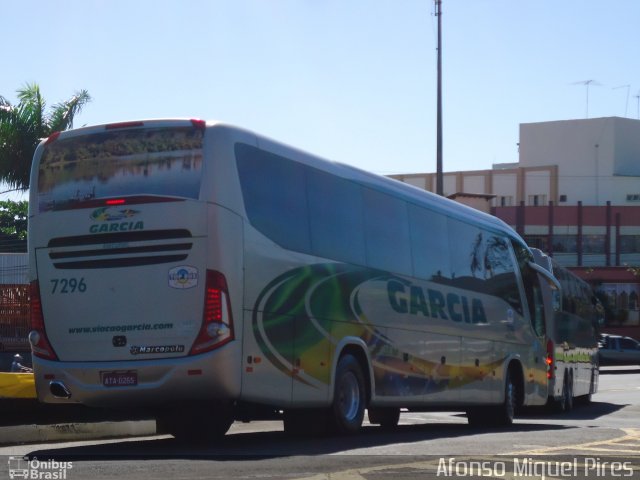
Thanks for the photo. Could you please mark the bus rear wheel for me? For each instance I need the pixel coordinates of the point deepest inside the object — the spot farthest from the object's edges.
(349, 396)
(565, 402)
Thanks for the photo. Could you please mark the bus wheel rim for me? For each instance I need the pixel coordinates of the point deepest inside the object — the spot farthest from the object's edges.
(349, 399)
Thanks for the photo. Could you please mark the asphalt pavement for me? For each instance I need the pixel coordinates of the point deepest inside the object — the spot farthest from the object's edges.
(28, 421)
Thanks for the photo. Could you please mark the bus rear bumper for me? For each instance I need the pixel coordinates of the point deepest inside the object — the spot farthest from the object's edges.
(213, 375)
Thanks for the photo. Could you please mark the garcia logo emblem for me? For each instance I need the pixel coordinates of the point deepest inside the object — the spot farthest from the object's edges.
(121, 219)
(183, 277)
(109, 214)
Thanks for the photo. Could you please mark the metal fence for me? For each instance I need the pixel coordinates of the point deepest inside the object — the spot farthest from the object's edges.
(14, 317)
(14, 302)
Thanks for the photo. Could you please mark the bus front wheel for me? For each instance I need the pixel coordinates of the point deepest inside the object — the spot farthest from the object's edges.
(499, 415)
(349, 395)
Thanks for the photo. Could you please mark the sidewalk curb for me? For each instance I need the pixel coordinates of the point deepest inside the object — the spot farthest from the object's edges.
(17, 434)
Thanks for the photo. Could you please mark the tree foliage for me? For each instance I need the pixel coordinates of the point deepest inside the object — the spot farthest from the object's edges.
(24, 125)
(13, 226)
(13, 218)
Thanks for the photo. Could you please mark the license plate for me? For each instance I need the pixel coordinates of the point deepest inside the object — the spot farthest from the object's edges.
(120, 379)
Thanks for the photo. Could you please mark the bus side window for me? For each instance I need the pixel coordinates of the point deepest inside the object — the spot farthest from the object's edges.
(556, 297)
(274, 193)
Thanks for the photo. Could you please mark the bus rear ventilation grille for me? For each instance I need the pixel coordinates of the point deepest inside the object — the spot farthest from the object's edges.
(116, 246)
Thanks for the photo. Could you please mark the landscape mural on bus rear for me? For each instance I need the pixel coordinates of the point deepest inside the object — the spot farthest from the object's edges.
(76, 171)
(323, 303)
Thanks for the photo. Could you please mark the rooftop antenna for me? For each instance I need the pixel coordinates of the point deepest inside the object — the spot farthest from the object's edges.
(626, 105)
(586, 83)
(637, 97)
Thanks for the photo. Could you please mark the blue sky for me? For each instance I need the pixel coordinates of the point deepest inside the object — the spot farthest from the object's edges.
(350, 80)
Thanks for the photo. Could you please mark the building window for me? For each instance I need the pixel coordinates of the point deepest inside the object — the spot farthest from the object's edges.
(565, 244)
(629, 243)
(537, 200)
(633, 197)
(506, 201)
(593, 243)
(563, 198)
(537, 241)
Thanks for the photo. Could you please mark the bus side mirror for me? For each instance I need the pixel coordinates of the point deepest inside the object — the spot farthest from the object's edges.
(549, 278)
(553, 284)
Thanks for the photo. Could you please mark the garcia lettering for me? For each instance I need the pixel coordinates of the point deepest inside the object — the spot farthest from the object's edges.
(116, 227)
(412, 299)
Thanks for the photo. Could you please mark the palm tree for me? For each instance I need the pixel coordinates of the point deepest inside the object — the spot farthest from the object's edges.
(24, 125)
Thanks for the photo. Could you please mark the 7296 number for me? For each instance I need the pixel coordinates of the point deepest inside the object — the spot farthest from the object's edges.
(68, 285)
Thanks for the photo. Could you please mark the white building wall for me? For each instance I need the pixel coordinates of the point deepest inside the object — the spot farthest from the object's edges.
(449, 185)
(598, 160)
(473, 184)
(593, 157)
(627, 147)
(578, 147)
(419, 182)
(537, 183)
(505, 185)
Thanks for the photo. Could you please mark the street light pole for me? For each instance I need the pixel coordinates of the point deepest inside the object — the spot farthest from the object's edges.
(439, 182)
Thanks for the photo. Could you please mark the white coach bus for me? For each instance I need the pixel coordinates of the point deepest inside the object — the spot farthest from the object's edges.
(574, 315)
(213, 274)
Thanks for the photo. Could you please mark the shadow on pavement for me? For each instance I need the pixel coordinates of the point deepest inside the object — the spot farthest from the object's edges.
(580, 411)
(619, 371)
(274, 444)
(31, 412)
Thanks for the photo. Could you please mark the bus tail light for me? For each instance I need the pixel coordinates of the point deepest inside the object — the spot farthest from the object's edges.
(38, 337)
(199, 124)
(52, 138)
(217, 322)
(549, 360)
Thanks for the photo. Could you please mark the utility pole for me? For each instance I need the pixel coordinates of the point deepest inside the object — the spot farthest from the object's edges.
(439, 182)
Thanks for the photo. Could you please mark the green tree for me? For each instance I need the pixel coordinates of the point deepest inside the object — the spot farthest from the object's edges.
(13, 226)
(24, 125)
(13, 218)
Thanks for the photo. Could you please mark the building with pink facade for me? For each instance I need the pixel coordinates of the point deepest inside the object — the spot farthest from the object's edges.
(574, 193)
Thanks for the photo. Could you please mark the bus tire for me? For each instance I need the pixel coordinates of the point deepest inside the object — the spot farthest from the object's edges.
(587, 399)
(499, 415)
(386, 417)
(506, 412)
(566, 401)
(349, 396)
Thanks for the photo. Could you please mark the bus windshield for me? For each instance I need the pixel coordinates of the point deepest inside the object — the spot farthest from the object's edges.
(75, 171)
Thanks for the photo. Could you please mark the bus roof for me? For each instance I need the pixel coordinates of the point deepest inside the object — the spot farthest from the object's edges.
(381, 183)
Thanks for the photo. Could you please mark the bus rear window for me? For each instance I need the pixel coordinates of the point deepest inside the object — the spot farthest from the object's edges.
(154, 161)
